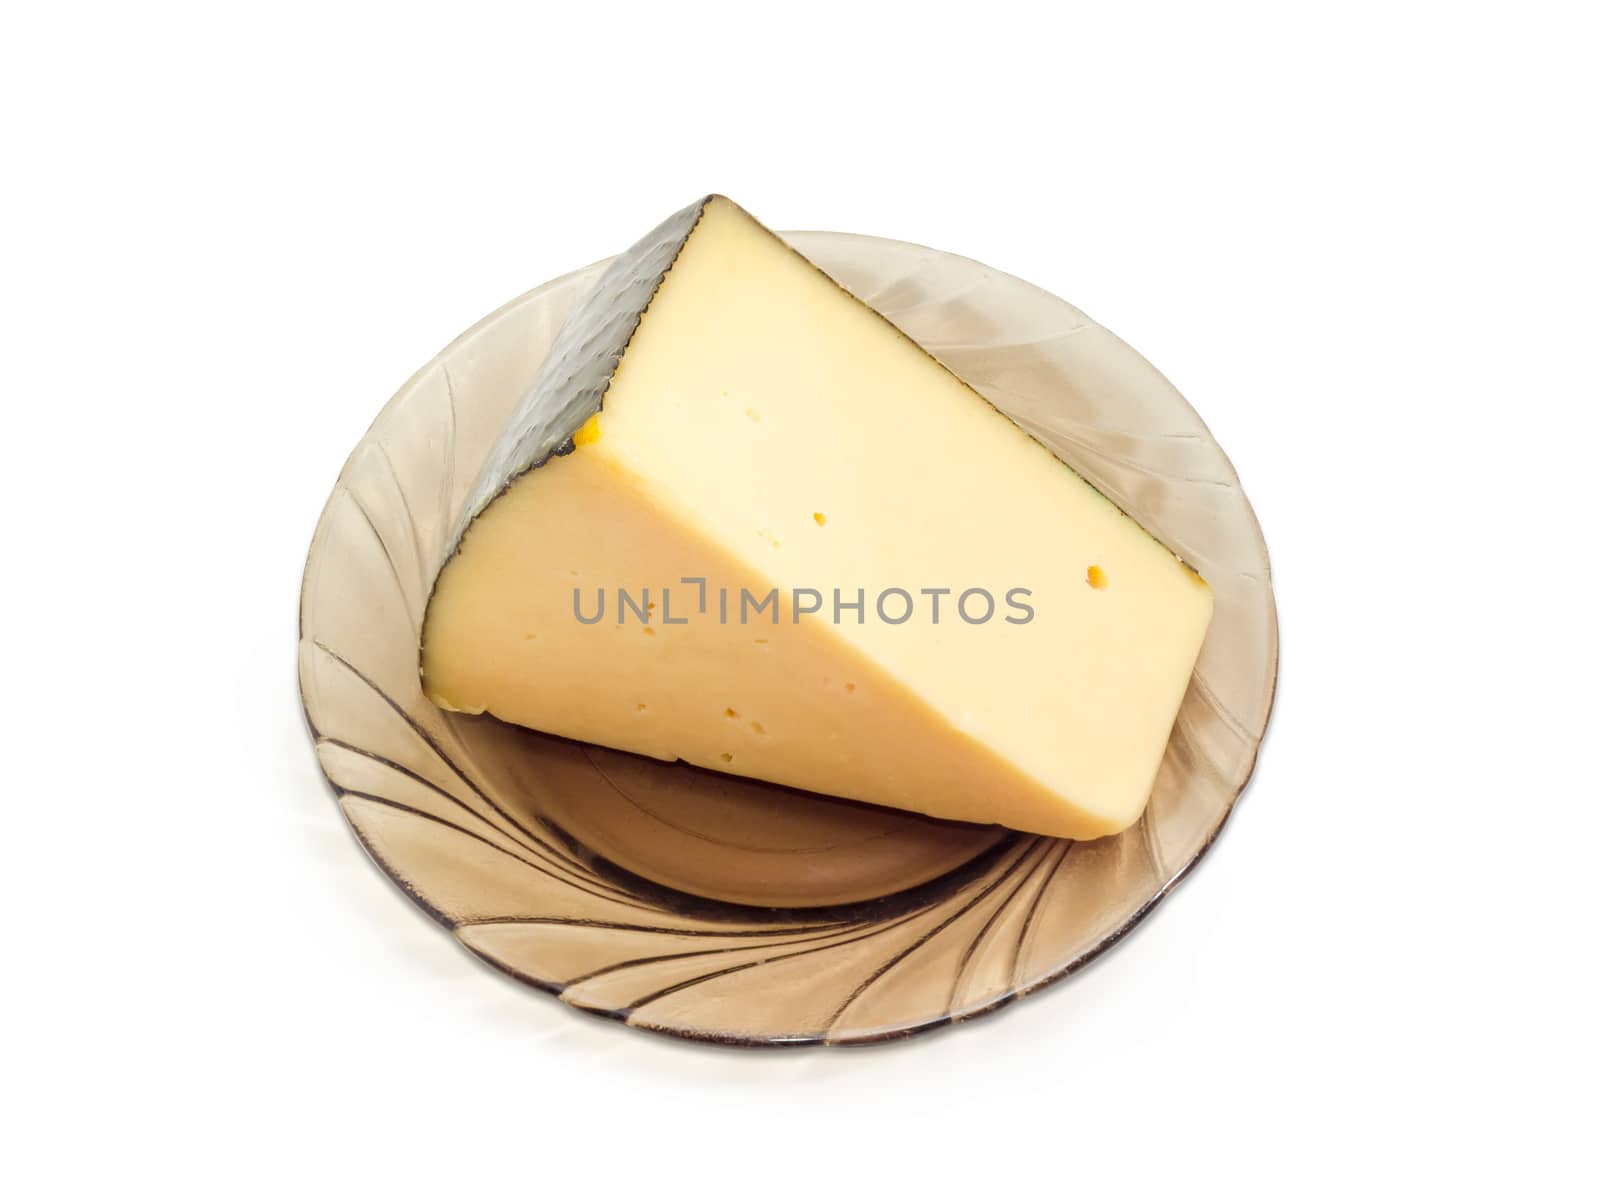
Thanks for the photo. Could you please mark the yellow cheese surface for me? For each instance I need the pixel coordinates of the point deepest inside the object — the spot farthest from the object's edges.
(767, 431)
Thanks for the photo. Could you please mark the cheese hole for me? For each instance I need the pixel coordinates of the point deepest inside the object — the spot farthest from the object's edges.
(820, 519)
(529, 637)
(751, 414)
(761, 642)
(1097, 576)
(643, 707)
(727, 757)
(849, 688)
(730, 713)
(650, 630)
(758, 728)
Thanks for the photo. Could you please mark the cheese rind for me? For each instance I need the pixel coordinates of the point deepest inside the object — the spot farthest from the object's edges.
(720, 410)
(577, 371)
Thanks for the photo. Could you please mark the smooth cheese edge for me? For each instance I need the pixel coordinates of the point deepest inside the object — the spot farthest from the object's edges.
(792, 433)
(861, 384)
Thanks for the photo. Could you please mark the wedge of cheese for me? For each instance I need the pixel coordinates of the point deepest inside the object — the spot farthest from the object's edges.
(741, 520)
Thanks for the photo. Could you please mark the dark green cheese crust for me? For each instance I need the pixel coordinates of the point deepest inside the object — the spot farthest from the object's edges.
(571, 385)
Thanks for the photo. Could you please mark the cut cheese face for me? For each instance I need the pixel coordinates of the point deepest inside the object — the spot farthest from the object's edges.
(817, 558)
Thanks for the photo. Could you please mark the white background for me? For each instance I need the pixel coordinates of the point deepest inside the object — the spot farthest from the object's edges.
(1361, 239)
